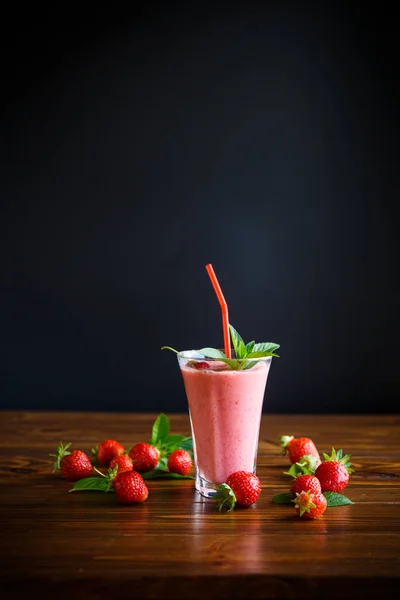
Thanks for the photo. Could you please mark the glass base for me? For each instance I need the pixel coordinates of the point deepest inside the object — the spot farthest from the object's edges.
(207, 488)
(204, 487)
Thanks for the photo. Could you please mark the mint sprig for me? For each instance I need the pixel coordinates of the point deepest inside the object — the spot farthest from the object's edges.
(243, 351)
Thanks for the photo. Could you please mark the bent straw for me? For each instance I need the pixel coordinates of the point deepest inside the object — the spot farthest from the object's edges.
(224, 309)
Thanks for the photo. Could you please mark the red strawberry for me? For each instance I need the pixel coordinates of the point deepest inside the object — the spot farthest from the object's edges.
(74, 465)
(241, 487)
(144, 456)
(195, 364)
(305, 483)
(310, 505)
(201, 365)
(299, 447)
(334, 472)
(124, 463)
(106, 451)
(180, 462)
(130, 487)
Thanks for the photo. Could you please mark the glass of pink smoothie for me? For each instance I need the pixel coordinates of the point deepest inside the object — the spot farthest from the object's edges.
(225, 407)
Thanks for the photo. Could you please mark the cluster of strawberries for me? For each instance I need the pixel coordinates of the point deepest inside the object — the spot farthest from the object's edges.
(125, 469)
(316, 484)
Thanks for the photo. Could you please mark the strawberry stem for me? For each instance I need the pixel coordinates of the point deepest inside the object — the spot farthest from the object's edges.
(62, 450)
(225, 497)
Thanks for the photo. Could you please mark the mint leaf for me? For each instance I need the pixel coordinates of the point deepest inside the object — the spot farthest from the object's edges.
(160, 429)
(186, 444)
(249, 347)
(97, 484)
(235, 365)
(266, 347)
(172, 440)
(160, 474)
(238, 343)
(283, 498)
(335, 499)
(249, 364)
(212, 353)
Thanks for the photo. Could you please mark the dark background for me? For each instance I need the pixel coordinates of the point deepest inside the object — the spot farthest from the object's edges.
(137, 147)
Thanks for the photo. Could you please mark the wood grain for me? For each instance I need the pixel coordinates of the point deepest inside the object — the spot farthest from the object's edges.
(176, 545)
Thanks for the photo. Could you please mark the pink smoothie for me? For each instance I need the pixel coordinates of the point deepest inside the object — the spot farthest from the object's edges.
(225, 410)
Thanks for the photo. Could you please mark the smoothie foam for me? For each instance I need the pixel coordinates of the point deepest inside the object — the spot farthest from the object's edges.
(225, 409)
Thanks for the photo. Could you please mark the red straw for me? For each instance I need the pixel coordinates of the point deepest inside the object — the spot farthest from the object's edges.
(224, 309)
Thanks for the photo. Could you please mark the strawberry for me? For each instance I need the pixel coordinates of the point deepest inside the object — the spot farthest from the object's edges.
(73, 465)
(306, 483)
(297, 448)
(179, 461)
(130, 487)
(144, 456)
(334, 472)
(241, 488)
(124, 463)
(106, 451)
(195, 364)
(310, 505)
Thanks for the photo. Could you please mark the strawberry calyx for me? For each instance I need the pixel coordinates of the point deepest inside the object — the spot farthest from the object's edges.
(307, 465)
(110, 476)
(304, 502)
(284, 441)
(225, 497)
(338, 456)
(62, 450)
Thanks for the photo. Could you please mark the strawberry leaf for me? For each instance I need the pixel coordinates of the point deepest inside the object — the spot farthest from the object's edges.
(160, 429)
(97, 484)
(335, 499)
(285, 498)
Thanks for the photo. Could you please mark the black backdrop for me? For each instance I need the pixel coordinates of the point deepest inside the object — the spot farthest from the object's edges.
(136, 148)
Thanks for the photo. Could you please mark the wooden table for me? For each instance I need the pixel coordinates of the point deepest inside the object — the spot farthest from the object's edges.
(176, 545)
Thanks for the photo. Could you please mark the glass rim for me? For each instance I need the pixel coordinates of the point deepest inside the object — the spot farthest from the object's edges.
(195, 355)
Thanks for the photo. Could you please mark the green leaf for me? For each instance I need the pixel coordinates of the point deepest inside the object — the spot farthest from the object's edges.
(235, 365)
(212, 353)
(249, 347)
(262, 354)
(186, 444)
(160, 429)
(162, 464)
(249, 364)
(299, 468)
(172, 440)
(335, 499)
(283, 498)
(97, 484)
(266, 347)
(160, 474)
(238, 343)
